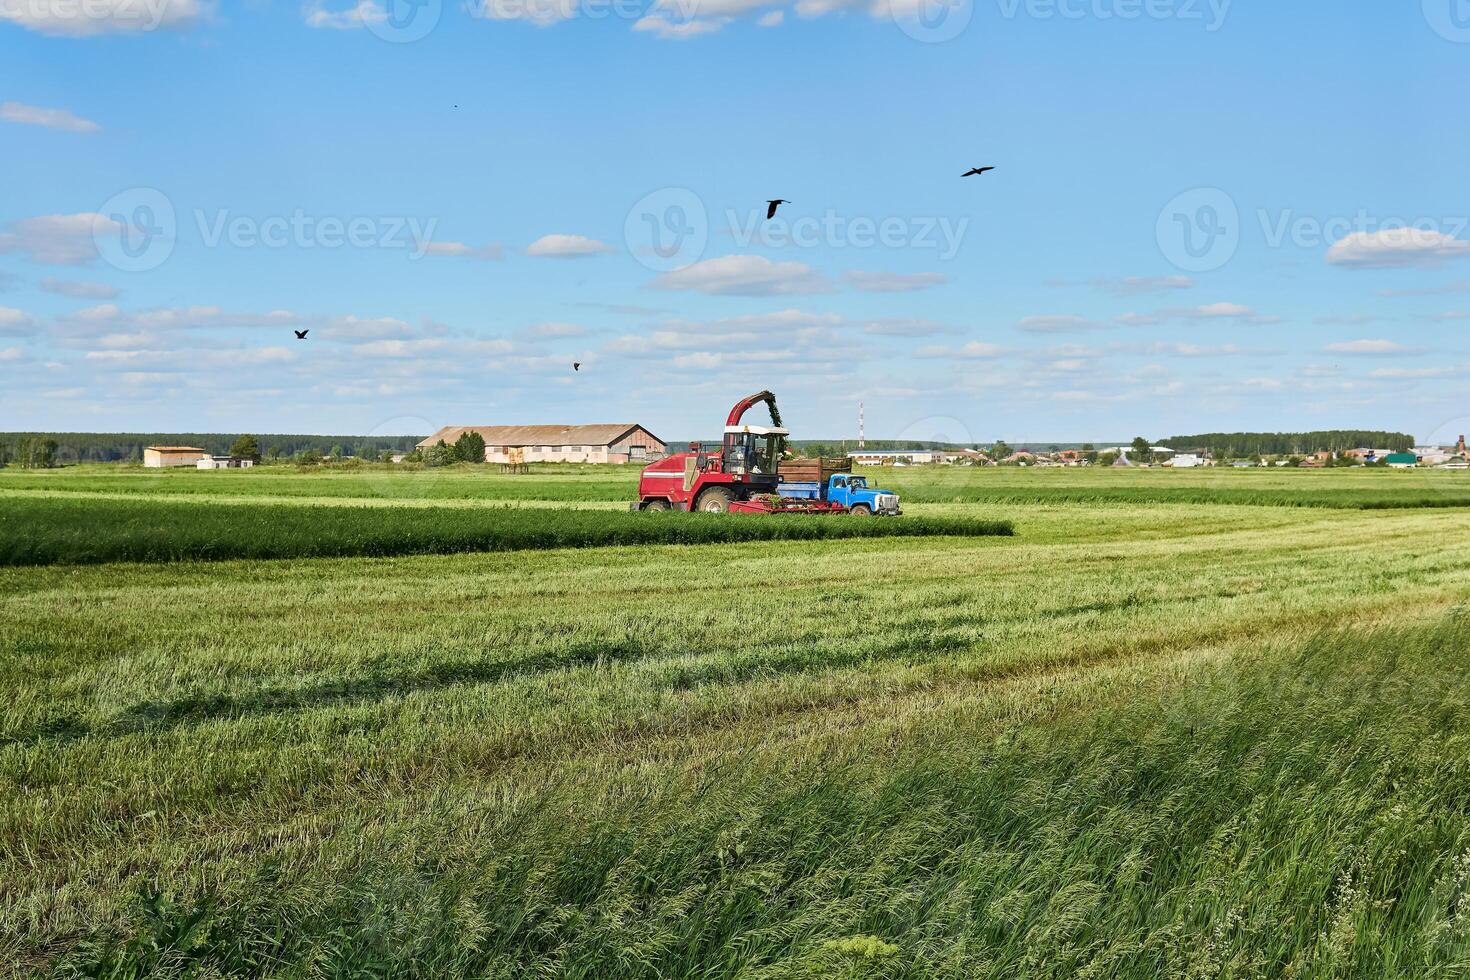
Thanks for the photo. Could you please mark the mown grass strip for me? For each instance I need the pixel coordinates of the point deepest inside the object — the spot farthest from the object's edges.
(1296, 813)
(78, 532)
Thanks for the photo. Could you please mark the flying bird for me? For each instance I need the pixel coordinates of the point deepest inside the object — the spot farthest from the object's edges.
(301, 334)
(772, 206)
(576, 365)
(975, 170)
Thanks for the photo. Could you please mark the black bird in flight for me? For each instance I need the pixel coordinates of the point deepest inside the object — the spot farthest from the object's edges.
(975, 170)
(301, 334)
(772, 206)
(576, 365)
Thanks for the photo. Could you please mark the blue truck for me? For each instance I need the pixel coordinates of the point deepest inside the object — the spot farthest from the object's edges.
(851, 491)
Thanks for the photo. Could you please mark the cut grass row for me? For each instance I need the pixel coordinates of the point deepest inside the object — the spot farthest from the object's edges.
(71, 531)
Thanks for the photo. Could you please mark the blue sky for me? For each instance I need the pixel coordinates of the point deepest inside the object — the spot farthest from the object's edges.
(1197, 221)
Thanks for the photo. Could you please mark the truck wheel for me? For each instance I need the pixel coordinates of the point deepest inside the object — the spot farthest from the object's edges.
(656, 505)
(716, 501)
(861, 510)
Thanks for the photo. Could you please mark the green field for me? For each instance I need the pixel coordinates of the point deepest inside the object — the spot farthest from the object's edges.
(1180, 724)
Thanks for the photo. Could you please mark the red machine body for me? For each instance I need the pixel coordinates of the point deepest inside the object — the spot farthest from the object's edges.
(740, 476)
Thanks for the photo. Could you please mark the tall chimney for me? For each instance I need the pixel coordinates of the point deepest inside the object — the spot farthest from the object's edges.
(860, 427)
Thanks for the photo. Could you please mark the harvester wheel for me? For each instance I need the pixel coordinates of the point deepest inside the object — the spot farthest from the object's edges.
(716, 501)
(656, 505)
(861, 510)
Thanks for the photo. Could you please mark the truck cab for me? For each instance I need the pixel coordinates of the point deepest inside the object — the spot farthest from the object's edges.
(842, 490)
(853, 492)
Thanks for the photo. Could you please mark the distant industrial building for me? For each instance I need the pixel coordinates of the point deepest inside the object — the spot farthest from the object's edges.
(880, 457)
(160, 457)
(622, 442)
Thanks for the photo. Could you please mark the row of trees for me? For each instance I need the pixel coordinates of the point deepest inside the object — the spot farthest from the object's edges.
(1245, 445)
(29, 453)
(113, 447)
(468, 448)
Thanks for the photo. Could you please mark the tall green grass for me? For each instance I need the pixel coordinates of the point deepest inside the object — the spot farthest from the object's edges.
(47, 531)
(1298, 813)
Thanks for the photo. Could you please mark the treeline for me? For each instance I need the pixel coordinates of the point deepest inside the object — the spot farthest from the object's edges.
(127, 447)
(1245, 444)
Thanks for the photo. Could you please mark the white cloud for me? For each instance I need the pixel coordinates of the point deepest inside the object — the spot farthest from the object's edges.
(1133, 285)
(12, 354)
(432, 345)
(1221, 309)
(1369, 347)
(566, 247)
(973, 351)
(89, 18)
(17, 112)
(1194, 314)
(56, 239)
(892, 282)
(360, 14)
(771, 19)
(1056, 324)
(553, 331)
(745, 275)
(904, 327)
(1418, 373)
(109, 317)
(669, 30)
(355, 329)
(1398, 248)
(14, 322)
(79, 290)
(461, 250)
(542, 13)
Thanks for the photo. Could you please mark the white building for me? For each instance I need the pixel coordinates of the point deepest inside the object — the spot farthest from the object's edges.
(224, 463)
(1187, 461)
(893, 457)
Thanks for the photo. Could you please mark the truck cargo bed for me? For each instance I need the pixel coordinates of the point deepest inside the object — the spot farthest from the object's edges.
(803, 470)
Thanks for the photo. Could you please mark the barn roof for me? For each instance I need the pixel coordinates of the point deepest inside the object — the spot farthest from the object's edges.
(539, 435)
(176, 449)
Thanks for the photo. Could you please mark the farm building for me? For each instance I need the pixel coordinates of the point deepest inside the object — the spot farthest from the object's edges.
(157, 457)
(888, 457)
(622, 442)
(224, 463)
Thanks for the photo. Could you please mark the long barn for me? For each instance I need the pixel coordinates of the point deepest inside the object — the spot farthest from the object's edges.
(620, 442)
